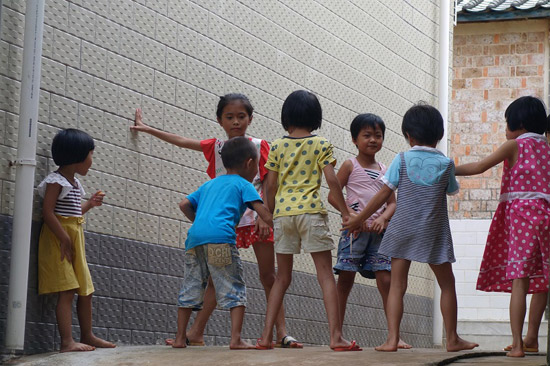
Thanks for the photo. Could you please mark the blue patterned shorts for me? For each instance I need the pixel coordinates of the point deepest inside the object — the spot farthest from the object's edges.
(223, 263)
(365, 258)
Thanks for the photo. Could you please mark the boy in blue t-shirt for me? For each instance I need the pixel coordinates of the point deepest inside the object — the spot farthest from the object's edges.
(215, 209)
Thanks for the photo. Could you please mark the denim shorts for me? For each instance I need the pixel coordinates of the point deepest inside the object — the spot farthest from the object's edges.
(364, 257)
(222, 262)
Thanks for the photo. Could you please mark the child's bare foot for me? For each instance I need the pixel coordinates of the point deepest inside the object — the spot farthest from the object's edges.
(97, 342)
(76, 347)
(403, 345)
(460, 345)
(240, 344)
(516, 352)
(387, 347)
(179, 342)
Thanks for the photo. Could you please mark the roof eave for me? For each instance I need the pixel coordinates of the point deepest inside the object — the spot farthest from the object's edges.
(494, 16)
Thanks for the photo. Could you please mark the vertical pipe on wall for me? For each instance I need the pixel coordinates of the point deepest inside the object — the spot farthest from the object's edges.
(24, 177)
(443, 97)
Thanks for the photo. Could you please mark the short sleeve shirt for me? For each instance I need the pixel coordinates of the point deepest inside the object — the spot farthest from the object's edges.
(219, 204)
(212, 148)
(299, 163)
(425, 166)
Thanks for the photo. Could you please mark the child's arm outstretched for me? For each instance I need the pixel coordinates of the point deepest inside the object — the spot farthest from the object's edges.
(374, 204)
(187, 208)
(171, 138)
(508, 150)
(335, 190)
(50, 198)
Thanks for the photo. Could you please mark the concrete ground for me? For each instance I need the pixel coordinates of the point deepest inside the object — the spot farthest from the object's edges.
(318, 356)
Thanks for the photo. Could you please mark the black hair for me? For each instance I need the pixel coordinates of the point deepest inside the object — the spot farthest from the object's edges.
(526, 112)
(366, 120)
(301, 109)
(71, 146)
(423, 123)
(229, 98)
(236, 151)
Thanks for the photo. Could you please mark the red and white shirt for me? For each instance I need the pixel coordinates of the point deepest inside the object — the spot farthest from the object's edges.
(212, 148)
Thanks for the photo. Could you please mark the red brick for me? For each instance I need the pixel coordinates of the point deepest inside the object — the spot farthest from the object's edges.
(459, 40)
(527, 48)
(482, 83)
(512, 60)
(535, 37)
(499, 94)
(462, 61)
(527, 70)
(511, 83)
(481, 39)
(471, 50)
(534, 82)
(535, 59)
(498, 71)
(483, 61)
(472, 72)
(459, 84)
(499, 49)
(513, 37)
(484, 116)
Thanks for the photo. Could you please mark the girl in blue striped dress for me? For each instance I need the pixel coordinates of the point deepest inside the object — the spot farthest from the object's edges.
(419, 230)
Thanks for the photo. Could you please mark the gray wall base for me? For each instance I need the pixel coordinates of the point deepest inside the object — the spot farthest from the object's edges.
(137, 283)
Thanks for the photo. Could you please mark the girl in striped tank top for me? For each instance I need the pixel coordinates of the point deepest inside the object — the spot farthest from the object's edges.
(62, 266)
(419, 230)
(518, 245)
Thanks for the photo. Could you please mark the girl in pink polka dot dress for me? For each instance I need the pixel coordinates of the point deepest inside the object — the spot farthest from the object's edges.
(517, 251)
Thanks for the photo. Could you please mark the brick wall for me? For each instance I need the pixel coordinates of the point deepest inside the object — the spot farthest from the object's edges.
(173, 58)
(493, 64)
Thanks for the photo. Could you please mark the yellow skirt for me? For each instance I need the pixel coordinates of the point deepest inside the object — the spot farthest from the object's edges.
(55, 275)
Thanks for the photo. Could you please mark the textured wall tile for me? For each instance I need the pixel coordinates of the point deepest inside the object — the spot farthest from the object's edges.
(166, 31)
(15, 62)
(4, 57)
(81, 22)
(123, 285)
(56, 14)
(101, 275)
(119, 69)
(165, 87)
(146, 290)
(79, 86)
(125, 222)
(135, 256)
(144, 20)
(137, 196)
(53, 76)
(64, 112)
(168, 288)
(66, 48)
(121, 11)
(100, 220)
(107, 34)
(171, 176)
(131, 44)
(94, 59)
(90, 119)
(169, 232)
(150, 169)
(114, 188)
(109, 312)
(186, 96)
(154, 54)
(132, 317)
(115, 130)
(143, 78)
(105, 95)
(148, 228)
(126, 162)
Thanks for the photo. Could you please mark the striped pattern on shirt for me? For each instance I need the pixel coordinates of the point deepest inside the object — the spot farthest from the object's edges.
(372, 173)
(71, 204)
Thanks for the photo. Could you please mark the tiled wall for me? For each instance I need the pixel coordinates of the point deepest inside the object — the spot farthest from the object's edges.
(469, 238)
(173, 58)
(137, 283)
